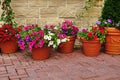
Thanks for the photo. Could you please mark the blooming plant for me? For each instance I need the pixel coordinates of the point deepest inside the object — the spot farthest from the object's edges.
(94, 33)
(68, 29)
(33, 36)
(7, 32)
(108, 23)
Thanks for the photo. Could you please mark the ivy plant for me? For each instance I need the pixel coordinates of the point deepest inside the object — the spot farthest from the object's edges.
(8, 15)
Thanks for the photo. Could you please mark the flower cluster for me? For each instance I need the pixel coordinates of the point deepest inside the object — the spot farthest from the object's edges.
(7, 32)
(108, 23)
(94, 33)
(33, 36)
(68, 28)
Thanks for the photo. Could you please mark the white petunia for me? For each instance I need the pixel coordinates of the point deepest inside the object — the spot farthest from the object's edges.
(50, 33)
(54, 46)
(64, 40)
(56, 28)
(50, 43)
(49, 37)
(46, 37)
(58, 41)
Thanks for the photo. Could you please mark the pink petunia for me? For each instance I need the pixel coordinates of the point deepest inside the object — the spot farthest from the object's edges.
(62, 36)
(41, 32)
(41, 43)
(52, 26)
(18, 36)
(46, 26)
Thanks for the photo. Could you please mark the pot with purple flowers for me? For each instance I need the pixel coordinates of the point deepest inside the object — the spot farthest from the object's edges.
(39, 41)
(112, 43)
(68, 33)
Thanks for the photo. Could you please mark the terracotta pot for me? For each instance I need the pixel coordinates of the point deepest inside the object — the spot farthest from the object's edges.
(0, 44)
(9, 47)
(68, 46)
(112, 45)
(91, 47)
(40, 53)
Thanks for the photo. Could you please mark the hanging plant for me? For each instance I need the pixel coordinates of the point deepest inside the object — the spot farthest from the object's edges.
(8, 15)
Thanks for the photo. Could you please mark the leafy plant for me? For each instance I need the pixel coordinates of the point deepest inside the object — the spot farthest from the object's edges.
(94, 33)
(33, 36)
(7, 32)
(8, 15)
(111, 11)
(68, 29)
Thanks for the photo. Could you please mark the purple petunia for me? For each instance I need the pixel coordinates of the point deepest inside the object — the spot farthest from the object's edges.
(27, 38)
(109, 21)
(84, 30)
(98, 22)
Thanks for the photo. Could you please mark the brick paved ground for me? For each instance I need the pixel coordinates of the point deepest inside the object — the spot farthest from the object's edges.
(74, 66)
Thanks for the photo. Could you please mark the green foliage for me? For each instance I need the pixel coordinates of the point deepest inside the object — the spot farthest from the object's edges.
(8, 15)
(94, 33)
(111, 10)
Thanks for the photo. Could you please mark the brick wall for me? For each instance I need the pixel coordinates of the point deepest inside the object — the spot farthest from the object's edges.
(54, 11)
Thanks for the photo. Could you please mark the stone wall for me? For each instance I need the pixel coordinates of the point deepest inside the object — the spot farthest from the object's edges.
(54, 11)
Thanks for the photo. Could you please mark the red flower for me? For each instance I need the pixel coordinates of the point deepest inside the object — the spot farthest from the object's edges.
(90, 34)
(95, 28)
(19, 29)
(95, 36)
(102, 31)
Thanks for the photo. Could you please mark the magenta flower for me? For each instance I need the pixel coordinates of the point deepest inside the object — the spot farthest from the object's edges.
(30, 45)
(67, 22)
(27, 38)
(72, 32)
(84, 30)
(18, 36)
(36, 46)
(52, 26)
(75, 29)
(25, 28)
(64, 27)
(46, 26)
(41, 33)
(62, 36)
(37, 38)
(22, 47)
(41, 43)
(35, 33)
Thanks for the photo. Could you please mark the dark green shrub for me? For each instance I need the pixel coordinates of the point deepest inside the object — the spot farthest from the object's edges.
(111, 10)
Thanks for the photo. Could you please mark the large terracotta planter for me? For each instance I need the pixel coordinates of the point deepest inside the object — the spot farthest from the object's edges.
(91, 47)
(9, 47)
(40, 53)
(68, 46)
(112, 45)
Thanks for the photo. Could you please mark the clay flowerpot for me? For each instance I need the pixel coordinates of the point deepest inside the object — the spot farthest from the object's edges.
(68, 46)
(91, 47)
(8, 47)
(41, 53)
(0, 44)
(112, 44)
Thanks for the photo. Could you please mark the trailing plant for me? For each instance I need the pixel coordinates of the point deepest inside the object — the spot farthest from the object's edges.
(8, 15)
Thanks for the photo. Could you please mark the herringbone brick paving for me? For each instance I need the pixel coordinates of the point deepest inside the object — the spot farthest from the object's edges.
(73, 66)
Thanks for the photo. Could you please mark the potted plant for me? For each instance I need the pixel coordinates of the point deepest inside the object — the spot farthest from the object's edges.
(8, 39)
(69, 33)
(91, 40)
(39, 41)
(110, 19)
